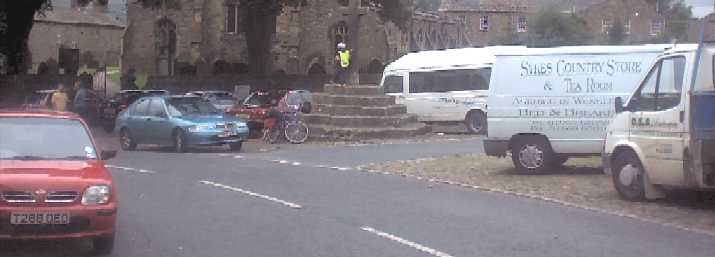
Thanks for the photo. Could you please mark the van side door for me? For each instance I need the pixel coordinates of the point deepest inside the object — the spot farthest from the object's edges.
(658, 125)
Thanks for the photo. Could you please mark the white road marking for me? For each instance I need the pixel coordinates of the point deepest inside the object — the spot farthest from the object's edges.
(238, 157)
(296, 163)
(406, 242)
(283, 162)
(130, 169)
(246, 192)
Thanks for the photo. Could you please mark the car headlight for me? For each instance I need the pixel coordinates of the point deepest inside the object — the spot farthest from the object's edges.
(96, 195)
(200, 127)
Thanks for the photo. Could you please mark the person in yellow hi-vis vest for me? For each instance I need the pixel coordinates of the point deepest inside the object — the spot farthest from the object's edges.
(343, 64)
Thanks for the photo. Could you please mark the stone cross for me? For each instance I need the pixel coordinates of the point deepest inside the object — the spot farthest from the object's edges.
(354, 11)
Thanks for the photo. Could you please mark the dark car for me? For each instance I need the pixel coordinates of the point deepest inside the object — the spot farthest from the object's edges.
(110, 109)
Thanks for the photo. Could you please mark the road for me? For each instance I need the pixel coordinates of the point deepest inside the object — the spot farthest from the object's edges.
(311, 201)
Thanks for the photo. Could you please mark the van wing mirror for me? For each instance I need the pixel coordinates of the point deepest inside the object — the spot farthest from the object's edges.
(619, 105)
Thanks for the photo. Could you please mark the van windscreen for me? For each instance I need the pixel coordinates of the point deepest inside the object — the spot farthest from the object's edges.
(449, 80)
(393, 84)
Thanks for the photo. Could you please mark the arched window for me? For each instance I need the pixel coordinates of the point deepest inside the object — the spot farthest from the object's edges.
(165, 35)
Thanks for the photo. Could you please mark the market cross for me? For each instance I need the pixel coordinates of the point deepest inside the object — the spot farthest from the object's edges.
(354, 11)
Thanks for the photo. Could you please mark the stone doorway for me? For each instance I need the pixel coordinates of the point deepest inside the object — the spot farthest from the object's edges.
(165, 34)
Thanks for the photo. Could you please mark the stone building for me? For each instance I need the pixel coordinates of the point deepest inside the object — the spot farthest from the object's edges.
(492, 22)
(97, 35)
(641, 20)
(198, 35)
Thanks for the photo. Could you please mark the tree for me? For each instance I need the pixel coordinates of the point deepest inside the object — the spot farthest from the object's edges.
(552, 28)
(617, 33)
(677, 19)
(428, 5)
(16, 19)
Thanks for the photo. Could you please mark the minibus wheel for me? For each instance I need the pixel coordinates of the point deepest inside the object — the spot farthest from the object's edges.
(476, 122)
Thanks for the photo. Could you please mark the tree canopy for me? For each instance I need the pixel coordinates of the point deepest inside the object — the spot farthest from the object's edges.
(552, 28)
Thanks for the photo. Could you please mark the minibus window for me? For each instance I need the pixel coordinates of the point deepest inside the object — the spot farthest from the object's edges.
(393, 84)
(449, 80)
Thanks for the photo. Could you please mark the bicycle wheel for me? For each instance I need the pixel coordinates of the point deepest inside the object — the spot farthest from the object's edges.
(296, 132)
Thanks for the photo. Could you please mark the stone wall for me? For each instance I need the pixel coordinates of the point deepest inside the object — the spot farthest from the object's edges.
(103, 42)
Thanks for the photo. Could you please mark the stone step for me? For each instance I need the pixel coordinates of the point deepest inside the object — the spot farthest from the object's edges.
(353, 90)
(359, 100)
(332, 133)
(360, 121)
(356, 110)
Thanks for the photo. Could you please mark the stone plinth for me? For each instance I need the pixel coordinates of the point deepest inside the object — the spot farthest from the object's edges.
(359, 112)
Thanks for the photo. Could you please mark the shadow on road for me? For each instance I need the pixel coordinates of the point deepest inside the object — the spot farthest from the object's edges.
(46, 248)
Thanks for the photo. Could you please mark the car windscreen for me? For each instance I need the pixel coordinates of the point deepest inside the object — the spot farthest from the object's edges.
(259, 100)
(44, 139)
(190, 106)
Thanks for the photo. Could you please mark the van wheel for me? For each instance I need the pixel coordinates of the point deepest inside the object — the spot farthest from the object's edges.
(628, 176)
(532, 155)
(476, 122)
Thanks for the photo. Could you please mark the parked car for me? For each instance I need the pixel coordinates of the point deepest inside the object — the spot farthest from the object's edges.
(180, 121)
(54, 183)
(38, 100)
(257, 105)
(109, 110)
(222, 100)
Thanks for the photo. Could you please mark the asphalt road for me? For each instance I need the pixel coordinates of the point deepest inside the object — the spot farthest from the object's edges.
(311, 202)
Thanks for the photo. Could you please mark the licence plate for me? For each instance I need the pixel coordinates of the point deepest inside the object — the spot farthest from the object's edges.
(227, 134)
(39, 218)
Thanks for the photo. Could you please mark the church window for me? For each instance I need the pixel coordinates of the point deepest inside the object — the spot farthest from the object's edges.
(521, 25)
(232, 19)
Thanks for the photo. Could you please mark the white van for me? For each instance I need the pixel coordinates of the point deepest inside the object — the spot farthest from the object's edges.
(445, 85)
(546, 105)
(664, 136)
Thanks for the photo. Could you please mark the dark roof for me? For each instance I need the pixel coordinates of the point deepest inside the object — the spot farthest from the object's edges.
(78, 16)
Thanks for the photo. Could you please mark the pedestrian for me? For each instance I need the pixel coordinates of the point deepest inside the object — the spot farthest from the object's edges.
(60, 100)
(81, 101)
(343, 64)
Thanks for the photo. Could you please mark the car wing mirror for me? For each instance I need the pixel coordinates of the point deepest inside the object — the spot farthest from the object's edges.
(619, 105)
(106, 155)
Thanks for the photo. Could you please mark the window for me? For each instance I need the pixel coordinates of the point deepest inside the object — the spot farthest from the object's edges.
(662, 88)
(449, 80)
(521, 25)
(156, 108)
(670, 84)
(484, 23)
(627, 26)
(141, 108)
(190, 106)
(393, 84)
(656, 27)
(232, 18)
(606, 25)
(45, 139)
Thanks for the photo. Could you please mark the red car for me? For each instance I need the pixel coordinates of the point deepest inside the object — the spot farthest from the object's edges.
(53, 183)
(256, 107)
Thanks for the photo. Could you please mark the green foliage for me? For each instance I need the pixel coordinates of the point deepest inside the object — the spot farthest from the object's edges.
(552, 28)
(617, 33)
(428, 5)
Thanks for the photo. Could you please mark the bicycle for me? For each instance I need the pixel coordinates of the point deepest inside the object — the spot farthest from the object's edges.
(290, 127)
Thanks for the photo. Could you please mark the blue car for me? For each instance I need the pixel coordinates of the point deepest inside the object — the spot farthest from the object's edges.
(179, 121)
